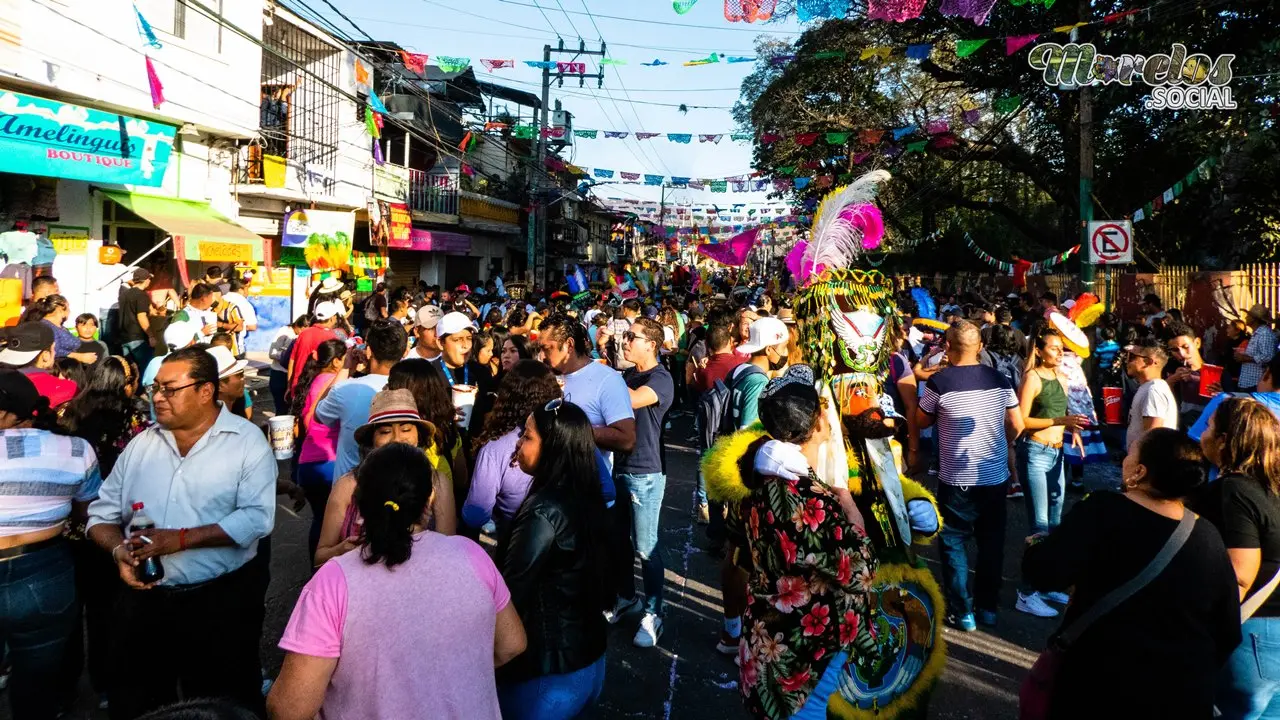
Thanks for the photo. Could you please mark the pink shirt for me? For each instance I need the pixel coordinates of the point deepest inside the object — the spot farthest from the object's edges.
(415, 641)
(321, 443)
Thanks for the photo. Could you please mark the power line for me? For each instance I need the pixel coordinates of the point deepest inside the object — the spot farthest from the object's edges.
(671, 24)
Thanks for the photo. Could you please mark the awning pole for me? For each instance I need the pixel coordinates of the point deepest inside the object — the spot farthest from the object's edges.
(129, 268)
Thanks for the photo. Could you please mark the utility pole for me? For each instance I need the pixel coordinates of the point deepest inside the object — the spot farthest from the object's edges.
(1086, 161)
(537, 245)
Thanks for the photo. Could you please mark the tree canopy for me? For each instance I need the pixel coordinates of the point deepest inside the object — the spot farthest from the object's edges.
(1011, 176)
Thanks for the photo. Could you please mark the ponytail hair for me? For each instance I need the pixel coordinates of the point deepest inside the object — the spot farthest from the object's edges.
(393, 485)
(42, 308)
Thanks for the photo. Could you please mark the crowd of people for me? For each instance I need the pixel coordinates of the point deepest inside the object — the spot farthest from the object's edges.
(140, 495)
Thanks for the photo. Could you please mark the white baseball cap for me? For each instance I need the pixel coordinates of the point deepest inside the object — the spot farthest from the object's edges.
(765, 332)
(453, 322)
(328, 309)
(182, 334)
(228, 365)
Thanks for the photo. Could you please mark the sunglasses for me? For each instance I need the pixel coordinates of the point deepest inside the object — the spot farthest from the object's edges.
(553, 405)
(629, 336)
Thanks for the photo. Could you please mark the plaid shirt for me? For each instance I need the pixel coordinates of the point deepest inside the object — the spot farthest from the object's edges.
(40, 475)
(1262, 347)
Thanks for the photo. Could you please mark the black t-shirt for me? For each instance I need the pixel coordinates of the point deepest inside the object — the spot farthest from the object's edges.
(647, 455)
(1158, 653)
(1251, 519)
(132, 302)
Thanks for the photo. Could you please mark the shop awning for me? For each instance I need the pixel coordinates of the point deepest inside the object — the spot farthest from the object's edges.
(208, 236)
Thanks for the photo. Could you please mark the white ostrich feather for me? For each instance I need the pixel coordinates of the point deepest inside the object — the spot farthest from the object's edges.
(835, 242)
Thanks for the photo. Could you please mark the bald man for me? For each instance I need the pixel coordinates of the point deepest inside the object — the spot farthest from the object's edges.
(976, 411)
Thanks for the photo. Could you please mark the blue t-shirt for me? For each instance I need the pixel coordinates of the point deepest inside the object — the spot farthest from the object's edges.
(346, 408)
(970, 403)
(646, 456)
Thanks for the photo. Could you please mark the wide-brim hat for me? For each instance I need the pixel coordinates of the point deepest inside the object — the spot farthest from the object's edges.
(392, 406)
(1072, 336)
(330, 285)
(228, 365)
(1260, 312)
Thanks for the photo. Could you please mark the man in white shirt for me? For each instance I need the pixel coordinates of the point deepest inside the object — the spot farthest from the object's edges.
(199, 306)
(207, 479)
(1154, 405)
(426, 341)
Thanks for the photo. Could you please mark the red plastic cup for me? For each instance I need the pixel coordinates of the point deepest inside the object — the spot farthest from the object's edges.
(1112, 397)
(1209, 375)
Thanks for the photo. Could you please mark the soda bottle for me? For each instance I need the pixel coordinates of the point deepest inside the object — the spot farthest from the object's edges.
(149, 570)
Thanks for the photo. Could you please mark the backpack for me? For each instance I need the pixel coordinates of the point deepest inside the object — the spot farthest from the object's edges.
(715, 406)
(1009, 366)
(371, 308)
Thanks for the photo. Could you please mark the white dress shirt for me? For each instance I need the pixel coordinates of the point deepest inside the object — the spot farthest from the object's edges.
(228, 478)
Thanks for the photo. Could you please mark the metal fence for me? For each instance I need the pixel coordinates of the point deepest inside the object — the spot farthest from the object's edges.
(433, 193)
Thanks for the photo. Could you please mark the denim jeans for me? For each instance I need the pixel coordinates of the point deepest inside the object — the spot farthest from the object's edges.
(278, 384)
(979, 513)
(316, 480)
(139, 351)
(38, 611)
(646, 505)
(553, 697)
(1041, 469)
(1248, 683)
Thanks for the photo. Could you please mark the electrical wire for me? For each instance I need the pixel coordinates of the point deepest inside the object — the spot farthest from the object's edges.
(671, 24)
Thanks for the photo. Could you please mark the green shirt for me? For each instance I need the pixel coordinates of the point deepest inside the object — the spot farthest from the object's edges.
(746, 395)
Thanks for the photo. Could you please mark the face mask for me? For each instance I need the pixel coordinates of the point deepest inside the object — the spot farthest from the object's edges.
(776, 365)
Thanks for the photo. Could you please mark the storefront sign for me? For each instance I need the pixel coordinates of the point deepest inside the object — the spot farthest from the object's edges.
(43, 137)
(225, 252)
(391, 183)
(68, 240)
(401, 226)
(445, 242)
(300, 226)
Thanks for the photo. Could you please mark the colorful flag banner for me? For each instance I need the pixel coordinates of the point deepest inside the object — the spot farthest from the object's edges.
(590, 134)
(153, 83)
(919, 52)
(630, 176)
(572, 68)
(1006, 105)
(541, 64)
(732, 252)
(655, 63)
(414, 62)
(652, 179)
(646, 135)
(452, 64)
(615, 134)
(492, 65)
(144, 29)
(714, 139)
(965, 48)
(600, 173)
(682, 138)
(376, 104)
(612, 61)
(1014, 43)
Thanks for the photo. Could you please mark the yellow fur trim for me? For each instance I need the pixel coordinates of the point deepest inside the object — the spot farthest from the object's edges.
(912, 490)
(905, 705)
(720, 465)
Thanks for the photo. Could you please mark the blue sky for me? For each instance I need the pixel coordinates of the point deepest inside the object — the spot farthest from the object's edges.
(514, 29)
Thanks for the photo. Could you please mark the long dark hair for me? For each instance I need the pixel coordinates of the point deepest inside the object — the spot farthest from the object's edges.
(567, 466)
(432, 395)
(44, 307)
(102, 412)
(393, 485)
(326, 352)
(528, 386)
(1250, 438)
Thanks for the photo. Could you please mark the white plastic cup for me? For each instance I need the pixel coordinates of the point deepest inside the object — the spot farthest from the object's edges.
(281, 431)
(464, 399)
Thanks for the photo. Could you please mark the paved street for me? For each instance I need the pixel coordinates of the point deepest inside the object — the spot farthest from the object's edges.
(684, 678)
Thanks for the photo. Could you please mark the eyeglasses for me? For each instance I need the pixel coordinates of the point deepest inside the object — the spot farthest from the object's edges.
(629, 336)
(156, 389)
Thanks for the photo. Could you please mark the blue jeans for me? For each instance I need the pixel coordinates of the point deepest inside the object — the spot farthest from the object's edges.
(139, 351)
(278, 384)
(38, 611)
(1041, 469)
(646, 504)
(1248, 683)
(979, 513)
(316, 480)
(553, 697)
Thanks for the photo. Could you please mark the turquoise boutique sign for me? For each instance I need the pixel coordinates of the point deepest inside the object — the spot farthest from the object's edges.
(44, 137)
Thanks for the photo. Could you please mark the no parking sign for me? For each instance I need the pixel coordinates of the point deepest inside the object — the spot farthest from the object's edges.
(1110, 242)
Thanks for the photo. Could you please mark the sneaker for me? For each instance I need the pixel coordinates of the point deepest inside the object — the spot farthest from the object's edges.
(987, 618)
(624, 607)
(4, 677)
(1058, 598)
(963, 623)
(1032, 604)
(727, 645)
(1015, 492)
(103, 703)
(649, 632)
(704, 514)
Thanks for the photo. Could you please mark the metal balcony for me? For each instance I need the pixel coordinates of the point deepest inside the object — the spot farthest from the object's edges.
(433, 193)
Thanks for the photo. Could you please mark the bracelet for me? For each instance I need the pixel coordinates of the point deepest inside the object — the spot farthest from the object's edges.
(182, 539)
(114, 549)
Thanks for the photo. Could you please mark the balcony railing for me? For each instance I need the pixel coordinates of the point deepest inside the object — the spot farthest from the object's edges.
(433, 193)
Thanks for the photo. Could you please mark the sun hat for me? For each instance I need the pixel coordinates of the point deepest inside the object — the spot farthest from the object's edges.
(228, 365)
(181, 334)
(787, 316)
(765, 332)
(429, 316)
(392, 406)
(1072, 336)
(1260, 312)
(330, 285)
(453, 322)
(23, 343)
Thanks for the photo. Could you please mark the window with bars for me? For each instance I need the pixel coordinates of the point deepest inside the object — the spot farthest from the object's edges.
(299, 105)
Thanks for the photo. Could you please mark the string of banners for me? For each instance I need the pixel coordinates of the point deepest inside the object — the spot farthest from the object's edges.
(1171, 194)
(751, 11)
(1006, 267)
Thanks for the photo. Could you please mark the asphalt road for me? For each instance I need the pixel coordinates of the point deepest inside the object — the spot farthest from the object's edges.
(684, 677)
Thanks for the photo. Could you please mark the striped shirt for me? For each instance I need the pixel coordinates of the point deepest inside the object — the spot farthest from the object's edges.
(40, 475)
(970, 404)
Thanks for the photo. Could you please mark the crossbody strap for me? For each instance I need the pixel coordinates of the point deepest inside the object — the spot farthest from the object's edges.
(1253, 604)
(1113, 599)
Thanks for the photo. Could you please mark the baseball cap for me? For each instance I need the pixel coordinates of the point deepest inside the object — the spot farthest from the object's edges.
(18, 394)
(228, 365)
(765, 332)
(141, 274)
(328, 309)
(463, 288)
(429, 316)
(181, 334)
(23, 343)
(453, 322)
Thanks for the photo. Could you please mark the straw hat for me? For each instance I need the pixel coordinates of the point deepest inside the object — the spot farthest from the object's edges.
(1072, 337)
(392, 406)
(1261, 313)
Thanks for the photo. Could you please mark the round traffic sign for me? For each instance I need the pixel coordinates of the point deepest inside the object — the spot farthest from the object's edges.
(1110, 242)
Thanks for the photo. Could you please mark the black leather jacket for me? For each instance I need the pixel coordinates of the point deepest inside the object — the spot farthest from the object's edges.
(546, 568)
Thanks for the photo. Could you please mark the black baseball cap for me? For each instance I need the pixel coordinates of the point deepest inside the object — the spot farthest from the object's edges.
(18, 395)
(23, 343)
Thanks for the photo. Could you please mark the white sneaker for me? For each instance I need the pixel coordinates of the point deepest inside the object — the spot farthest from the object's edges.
(1032, 604)
(649, 632)
(1058, 598)
(624, 607)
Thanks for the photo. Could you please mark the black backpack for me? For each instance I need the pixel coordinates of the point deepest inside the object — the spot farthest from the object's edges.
(715, 406)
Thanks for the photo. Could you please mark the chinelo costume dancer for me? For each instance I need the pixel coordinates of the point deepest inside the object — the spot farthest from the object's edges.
(844, 620)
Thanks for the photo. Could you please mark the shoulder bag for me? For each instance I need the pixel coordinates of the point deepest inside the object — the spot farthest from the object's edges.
(1037, 689)
(1253, 604)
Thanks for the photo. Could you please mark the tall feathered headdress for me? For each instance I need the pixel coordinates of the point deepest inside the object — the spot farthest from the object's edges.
(846, 225)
